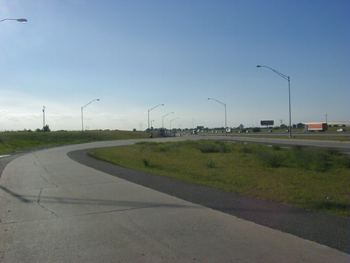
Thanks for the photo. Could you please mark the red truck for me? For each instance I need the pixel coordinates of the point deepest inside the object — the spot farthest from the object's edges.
(317, 126)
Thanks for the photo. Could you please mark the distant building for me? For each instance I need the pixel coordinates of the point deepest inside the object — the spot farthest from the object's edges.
(299, 126)
(339, 123)
(331, 123)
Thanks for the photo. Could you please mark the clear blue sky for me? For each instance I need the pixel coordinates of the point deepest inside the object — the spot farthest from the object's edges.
(136, 54)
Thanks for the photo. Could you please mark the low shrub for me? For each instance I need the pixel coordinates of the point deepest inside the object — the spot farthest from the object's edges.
(146, 163)
(245, 150)
(342, 161)
(214, 147)
(310, 160)
(276, 147)
(211, 164)
(272, 159)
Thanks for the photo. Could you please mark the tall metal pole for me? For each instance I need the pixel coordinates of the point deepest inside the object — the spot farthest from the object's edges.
(290, 110)
(171, 121)
(152, 109)
(82, 113)
(224, 104)
(43, 117)
(163, 118)
(82, 120)
(290, 104)
(22, 20)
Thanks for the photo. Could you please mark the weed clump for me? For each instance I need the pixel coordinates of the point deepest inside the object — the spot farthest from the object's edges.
(318, 161)
(276, 147)
(211, 164)
(245, 150)
(147, 163)
(272, 159)
(214, 147)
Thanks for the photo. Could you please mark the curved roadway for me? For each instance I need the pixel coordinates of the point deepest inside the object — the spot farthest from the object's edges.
(54, 209)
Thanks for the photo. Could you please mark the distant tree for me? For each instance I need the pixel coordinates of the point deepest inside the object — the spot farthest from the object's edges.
(134, 129)
(46, 128)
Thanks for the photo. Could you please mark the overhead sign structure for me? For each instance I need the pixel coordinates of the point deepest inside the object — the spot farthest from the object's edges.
(267, 123)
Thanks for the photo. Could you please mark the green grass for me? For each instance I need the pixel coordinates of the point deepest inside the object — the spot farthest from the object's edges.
(18, 141)
(298, 176)
(301, 137)
(330, 134)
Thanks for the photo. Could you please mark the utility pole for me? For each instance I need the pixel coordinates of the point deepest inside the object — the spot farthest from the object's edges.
(44, 117)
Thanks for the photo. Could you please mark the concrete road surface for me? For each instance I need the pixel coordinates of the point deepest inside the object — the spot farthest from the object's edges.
(54, 209)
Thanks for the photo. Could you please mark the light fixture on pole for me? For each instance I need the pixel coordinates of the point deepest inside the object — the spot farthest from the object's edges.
(22, 20)
(165, 116)
(82, 114)
(152, 109)
(171, 121)
(290, 107)
(224, 104)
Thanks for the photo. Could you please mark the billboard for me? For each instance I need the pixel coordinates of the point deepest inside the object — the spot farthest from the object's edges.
(267, 123)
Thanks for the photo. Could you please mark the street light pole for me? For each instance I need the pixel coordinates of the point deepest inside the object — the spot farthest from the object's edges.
(152, 109)
(224, 104)
(171, 121)
(22, 20)
(44, 117)
(163, 118)
(82, 114)
(290, 107)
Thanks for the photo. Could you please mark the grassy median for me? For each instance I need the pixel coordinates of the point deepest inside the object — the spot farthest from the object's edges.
(18, 141)
(308, 178)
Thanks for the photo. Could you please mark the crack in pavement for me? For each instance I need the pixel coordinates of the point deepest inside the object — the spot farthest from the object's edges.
(47, 180)
(46, 170)
(43, 207)
(175, 205)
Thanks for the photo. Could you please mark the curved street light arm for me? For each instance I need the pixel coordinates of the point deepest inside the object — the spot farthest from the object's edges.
(156, 107)
(224, 104)
(22, 20)
(82, 114)
(168, 114)
(217, 101)
(290, 107)
(171, 122)
(90, 103)
(162, 104)
(163, 118)
(278, 73)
